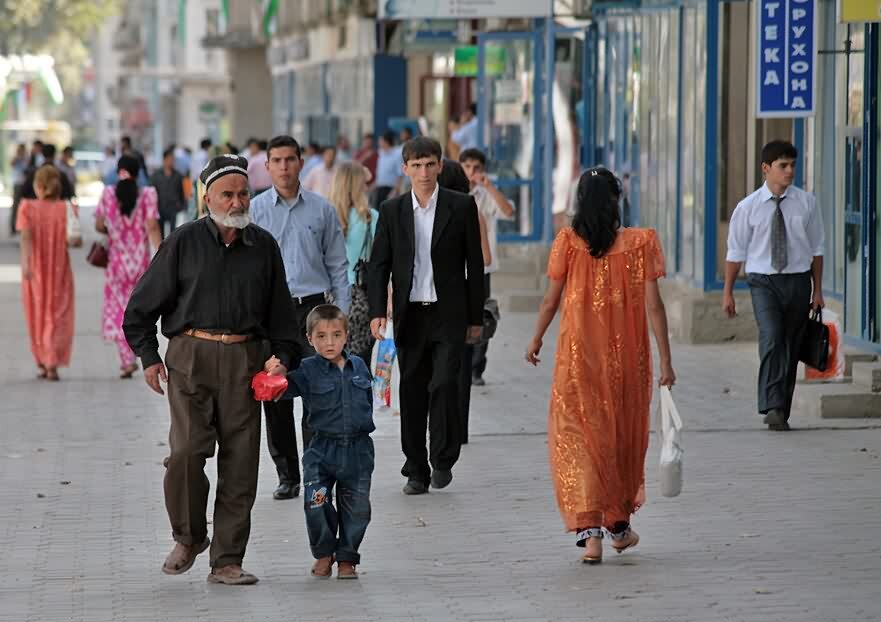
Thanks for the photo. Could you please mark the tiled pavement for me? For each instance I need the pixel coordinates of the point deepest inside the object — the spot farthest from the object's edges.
(770, 527)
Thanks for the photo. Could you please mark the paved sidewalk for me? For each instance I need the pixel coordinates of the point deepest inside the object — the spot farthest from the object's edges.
(769, 528)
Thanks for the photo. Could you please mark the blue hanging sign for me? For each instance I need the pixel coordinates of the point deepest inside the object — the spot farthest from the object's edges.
(787, 58)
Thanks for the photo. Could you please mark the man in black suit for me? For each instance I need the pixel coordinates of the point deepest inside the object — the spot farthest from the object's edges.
(428, 241)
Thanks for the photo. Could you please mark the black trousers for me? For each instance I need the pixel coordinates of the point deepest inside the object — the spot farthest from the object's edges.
(167, 221)
(478, 359)
(781, 303)
(429, 394)
(465, 376)
(281, 431)
(380, 194)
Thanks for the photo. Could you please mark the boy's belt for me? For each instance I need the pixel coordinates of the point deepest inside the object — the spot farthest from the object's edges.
(224, 338)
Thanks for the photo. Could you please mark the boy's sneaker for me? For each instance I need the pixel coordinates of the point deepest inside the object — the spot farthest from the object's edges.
(346, 570)
(478, 381)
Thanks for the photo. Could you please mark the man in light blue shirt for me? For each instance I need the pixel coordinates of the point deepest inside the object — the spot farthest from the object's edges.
(388, 170)
(466, 137)
(313, 248)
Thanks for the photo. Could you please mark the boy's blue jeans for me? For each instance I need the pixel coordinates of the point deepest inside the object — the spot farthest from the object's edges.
(347, 463)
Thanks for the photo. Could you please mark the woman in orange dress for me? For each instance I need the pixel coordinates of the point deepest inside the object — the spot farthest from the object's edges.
(598, 427)
(47, 280)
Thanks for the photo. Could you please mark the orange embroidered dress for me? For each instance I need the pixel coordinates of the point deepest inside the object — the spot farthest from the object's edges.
(47, 296)
(598, 427)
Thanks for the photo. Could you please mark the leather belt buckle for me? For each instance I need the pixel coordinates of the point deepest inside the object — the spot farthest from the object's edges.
(225, 339)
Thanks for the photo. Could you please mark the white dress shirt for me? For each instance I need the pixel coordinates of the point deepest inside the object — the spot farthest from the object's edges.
(749, 232)
(492, 213)
(423, 289)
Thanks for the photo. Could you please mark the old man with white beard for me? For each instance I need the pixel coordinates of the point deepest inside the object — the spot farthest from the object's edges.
(218, 285)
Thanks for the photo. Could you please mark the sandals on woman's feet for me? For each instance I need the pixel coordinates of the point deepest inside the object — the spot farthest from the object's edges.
(128, 371)
(624, 540)
(52, 374)
(592, 541)
(41, 371)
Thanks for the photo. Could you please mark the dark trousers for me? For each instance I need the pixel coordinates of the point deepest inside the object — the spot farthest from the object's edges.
(17, 191)
(478, 359)
(211, 405)
(465, 375)
(347, 465)
(781, 303)
(429, 394)
(167, 222)
(380, 194)
(281, 432)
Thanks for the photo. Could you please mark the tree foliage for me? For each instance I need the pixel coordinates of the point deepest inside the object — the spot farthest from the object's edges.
(29, 26)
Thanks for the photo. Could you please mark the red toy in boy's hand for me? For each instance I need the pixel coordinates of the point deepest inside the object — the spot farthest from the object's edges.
(268, 388)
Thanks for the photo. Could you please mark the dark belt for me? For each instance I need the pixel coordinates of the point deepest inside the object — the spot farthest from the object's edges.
(224, 338)
(317, 299)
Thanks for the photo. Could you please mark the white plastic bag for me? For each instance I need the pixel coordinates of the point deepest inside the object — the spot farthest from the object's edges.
(670, 433)
(74, 231)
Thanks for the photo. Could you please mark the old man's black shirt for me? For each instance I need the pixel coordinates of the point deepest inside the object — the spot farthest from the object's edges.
(197, 281)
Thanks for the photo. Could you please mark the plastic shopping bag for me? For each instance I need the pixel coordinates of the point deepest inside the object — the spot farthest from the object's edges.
(382, 373)
(835, 362)
(268, 388)
(670, 432)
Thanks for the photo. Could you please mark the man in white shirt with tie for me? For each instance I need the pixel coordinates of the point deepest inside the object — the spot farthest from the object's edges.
(778, 232)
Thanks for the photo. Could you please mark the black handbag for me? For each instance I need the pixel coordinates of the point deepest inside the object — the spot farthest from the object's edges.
(363, 259)
(814, 350)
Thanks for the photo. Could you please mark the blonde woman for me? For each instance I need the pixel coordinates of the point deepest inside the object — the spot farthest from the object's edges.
(349, 195)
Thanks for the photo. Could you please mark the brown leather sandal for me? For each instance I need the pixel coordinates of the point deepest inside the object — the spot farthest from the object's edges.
(346, 570)
(323, 568)
(179, 561)
(237, 576)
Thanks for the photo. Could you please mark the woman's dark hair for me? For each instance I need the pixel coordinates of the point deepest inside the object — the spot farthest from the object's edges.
(452, 177)
(127, 189)
(597, 217)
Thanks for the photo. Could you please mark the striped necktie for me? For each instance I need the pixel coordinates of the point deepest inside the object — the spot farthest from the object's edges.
(778, 238)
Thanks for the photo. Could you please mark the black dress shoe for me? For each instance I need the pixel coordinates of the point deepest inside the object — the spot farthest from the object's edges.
(478, 381)
(775, 417)
(415, 487)
(441, 478)
(286, 491)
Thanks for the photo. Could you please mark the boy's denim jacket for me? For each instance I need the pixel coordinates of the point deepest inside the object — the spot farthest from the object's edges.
(340, 401)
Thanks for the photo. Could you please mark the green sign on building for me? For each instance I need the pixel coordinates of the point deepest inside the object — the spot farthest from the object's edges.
(466, 60)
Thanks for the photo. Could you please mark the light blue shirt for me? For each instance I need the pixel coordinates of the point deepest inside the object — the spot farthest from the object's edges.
(311, 241)
(310, 163)
(388, 167)
(355, 239)
(466, 136)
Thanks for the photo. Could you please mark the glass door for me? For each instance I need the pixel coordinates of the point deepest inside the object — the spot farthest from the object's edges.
(510, 124)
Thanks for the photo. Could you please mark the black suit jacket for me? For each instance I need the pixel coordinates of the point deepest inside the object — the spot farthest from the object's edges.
(455, 247)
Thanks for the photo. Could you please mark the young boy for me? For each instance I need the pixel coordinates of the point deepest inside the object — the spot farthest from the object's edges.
(492, 205)
(336, 387)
